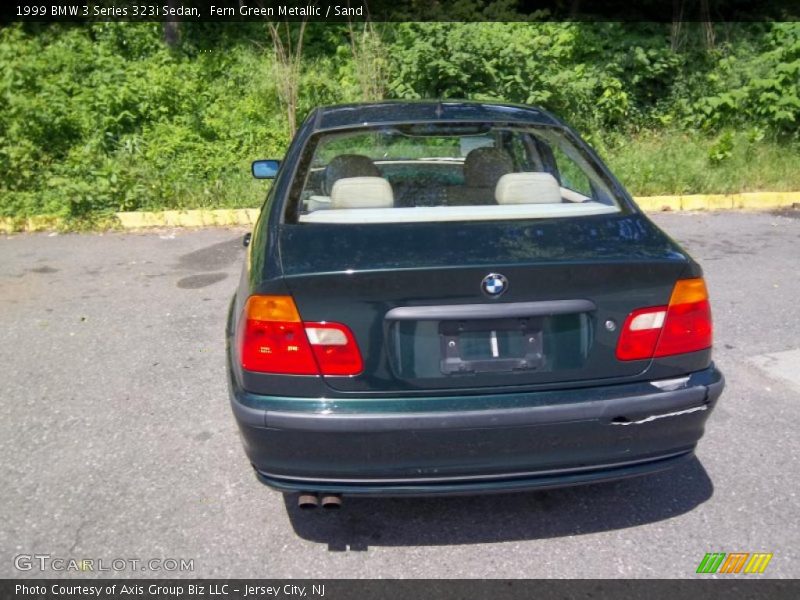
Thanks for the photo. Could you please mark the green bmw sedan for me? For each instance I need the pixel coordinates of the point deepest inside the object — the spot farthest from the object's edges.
(458, 298)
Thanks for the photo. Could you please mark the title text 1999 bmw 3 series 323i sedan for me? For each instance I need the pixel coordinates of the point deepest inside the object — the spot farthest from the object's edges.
(454, 297)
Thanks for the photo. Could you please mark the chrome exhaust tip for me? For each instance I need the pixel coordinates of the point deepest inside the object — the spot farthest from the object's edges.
(307, 501)
(331, 501)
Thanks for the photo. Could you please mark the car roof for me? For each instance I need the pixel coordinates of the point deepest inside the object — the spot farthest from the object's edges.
(389, 112)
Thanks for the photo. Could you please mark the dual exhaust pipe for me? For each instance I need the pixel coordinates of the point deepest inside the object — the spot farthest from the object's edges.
(311, 500)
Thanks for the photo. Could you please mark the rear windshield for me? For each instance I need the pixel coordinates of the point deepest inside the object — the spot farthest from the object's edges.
(452, 172)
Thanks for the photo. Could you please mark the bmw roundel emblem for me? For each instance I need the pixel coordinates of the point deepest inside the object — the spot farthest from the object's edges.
(494, 284)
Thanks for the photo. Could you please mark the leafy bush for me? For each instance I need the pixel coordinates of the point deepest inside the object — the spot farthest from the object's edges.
(744, 87)
(105, 118)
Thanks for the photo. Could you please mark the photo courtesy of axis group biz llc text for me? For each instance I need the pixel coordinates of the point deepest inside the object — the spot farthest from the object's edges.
(175, 589)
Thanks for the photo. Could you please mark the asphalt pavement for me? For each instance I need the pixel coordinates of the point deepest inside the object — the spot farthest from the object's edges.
(117, 442)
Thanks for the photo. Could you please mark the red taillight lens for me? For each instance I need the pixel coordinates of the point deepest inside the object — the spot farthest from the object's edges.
(275, 347)
(273, 339)
(640, 333)
(683, 326)
(687, 329)
(335, 348)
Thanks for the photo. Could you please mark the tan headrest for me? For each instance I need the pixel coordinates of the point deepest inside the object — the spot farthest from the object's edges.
(484, 166)
(362, 192)
(527, 188)
(348, 165)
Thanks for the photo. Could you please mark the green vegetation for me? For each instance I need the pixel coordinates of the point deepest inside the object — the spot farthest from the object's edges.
(654, 163)
(104, 117)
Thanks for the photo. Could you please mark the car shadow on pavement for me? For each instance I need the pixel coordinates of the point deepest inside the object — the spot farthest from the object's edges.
(364, 522)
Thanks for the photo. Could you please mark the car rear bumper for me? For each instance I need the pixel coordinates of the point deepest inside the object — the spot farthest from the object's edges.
(515, 441)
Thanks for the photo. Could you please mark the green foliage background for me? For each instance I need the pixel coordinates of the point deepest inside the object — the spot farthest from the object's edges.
(103, 117)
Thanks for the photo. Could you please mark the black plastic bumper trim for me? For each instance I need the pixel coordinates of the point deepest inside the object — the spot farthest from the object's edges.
(487, 477)
(500, 484)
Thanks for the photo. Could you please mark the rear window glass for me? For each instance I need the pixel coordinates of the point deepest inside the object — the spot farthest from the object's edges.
(447, 172)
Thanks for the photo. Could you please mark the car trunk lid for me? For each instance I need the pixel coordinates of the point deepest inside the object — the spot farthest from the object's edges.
(413, 296)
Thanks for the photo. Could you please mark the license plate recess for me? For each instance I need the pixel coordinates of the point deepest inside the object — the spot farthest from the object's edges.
(491, 345)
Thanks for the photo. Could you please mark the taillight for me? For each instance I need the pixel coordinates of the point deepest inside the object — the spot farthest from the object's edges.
(682, 326)
(688, 326)
(273, 339)
(335, 348)
(640, 333)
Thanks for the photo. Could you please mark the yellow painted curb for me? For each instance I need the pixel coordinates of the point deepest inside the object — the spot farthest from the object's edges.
(7, 225)
(189, 218)
(248, 216)
(35, 223)
(659, 203)
(747, 201)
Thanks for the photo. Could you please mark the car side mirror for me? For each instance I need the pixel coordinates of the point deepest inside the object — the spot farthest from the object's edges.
(265, 169)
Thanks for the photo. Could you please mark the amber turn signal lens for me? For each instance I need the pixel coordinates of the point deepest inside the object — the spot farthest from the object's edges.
(272, 308)
(687, 291)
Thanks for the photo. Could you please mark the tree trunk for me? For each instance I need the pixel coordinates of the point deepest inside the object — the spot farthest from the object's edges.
(708, 25)
(172, 34)
(288, 59)
(369, 58)
(677, 24)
